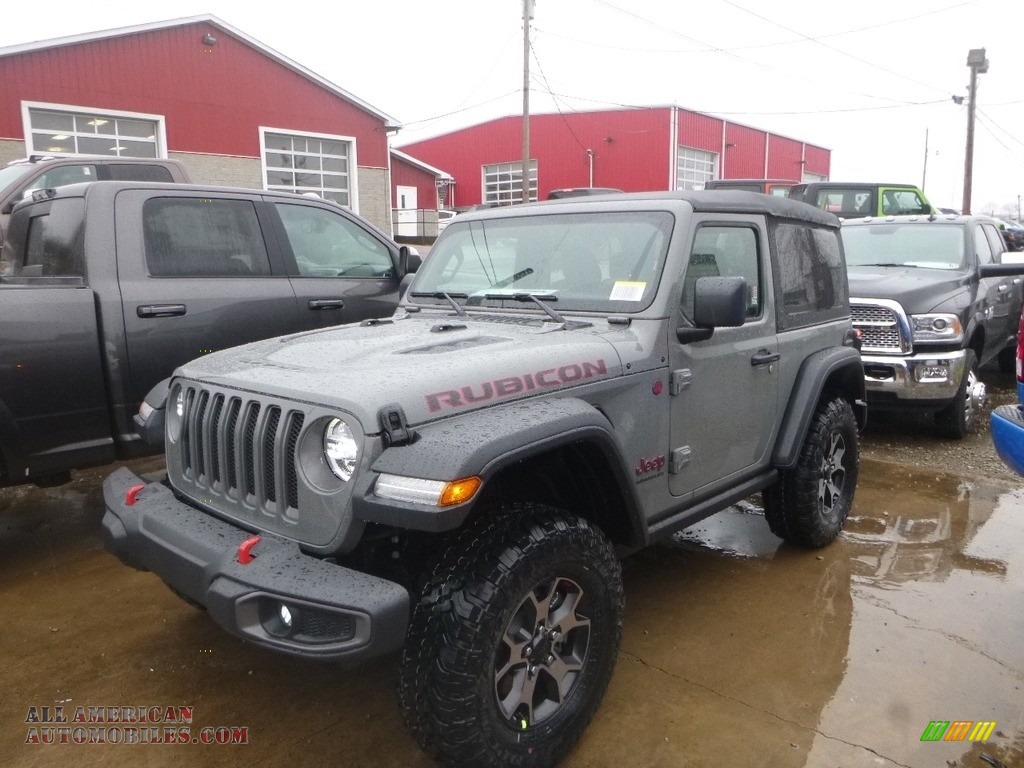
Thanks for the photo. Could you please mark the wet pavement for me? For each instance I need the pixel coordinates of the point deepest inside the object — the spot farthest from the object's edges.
(737, 651)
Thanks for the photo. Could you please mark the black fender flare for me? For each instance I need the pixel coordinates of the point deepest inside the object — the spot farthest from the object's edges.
(838, 370)
(482, 444)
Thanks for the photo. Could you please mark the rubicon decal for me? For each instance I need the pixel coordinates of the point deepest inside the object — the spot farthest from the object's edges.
(513, 385)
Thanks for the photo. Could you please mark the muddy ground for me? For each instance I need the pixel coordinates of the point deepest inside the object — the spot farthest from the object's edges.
(738, 650)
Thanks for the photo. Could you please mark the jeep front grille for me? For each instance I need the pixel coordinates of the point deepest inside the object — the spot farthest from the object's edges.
(883, 327)
(241, 449)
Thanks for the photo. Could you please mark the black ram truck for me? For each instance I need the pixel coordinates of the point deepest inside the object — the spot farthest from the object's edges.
(106, 287)
(934, 297)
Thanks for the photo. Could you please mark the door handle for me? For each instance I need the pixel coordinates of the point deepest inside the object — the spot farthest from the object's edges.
(326, 304)
(764, 357)
(160, 310)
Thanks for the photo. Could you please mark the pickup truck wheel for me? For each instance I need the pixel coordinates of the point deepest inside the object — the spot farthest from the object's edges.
(958, 419)
(808, 504)
(513, 640)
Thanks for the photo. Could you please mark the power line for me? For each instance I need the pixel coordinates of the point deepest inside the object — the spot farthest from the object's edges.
(996, 125)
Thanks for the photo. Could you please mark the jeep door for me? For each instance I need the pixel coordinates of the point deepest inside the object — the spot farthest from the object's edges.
(724, 408)
(342, 270)
(196, 275)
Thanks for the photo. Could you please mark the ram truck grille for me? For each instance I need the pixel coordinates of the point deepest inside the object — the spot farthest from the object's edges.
(884, 330)
(241, 449)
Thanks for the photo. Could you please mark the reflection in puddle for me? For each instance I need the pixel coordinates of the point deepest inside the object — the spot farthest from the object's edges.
(924, 588)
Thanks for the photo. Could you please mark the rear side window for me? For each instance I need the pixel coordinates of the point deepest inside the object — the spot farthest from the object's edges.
(810, 277)
(134, 172)
(52, 243)
(897, 202)
(203, 237)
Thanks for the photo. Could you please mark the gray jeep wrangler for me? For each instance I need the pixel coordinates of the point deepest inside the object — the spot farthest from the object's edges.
(563, 384)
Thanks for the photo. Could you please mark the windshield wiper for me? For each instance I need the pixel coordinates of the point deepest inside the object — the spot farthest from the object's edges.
(525, 297)
(885, 264)
(449, 297)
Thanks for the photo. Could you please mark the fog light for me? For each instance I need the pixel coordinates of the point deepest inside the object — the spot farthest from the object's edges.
(286, 616)
(932, 371)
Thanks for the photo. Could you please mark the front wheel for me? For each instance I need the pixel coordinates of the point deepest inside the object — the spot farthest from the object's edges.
(513, 640)
(959, 418)
(809, 503)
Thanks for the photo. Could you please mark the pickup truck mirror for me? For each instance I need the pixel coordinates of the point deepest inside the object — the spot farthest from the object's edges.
(1010, 264)
(409, 260)
(149, 421)
(718, 302)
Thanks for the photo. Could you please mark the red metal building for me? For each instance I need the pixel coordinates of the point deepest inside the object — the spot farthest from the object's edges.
(656, 148)
(196, 89)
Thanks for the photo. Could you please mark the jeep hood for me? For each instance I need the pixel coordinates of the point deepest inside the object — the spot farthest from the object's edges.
(917, 289)
(430, 364)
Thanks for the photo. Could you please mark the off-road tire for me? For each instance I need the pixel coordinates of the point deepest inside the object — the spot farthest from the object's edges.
(459, 668)
(809, 503)
(958, 419)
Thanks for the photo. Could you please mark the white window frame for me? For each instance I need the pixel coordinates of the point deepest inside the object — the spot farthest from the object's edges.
(353, 167)
(515, 192)
(693, 170)
(809, 177)
(160, 137)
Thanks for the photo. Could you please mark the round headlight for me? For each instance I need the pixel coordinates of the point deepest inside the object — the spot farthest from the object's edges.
(340, 449)
(176, 415)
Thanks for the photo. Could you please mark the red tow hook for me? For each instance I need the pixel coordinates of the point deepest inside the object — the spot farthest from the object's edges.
(245, 555)
(133, 494)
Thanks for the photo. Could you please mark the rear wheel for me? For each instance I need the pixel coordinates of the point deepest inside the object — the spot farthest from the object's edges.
(959, 418)
(808, 504)
(513, 640)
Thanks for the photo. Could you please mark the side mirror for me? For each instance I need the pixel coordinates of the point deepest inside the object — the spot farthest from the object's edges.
(149, 421)
(409, 260)
(1010, 264)
(719, 302)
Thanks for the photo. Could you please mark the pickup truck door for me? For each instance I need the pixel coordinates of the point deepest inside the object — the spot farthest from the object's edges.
(1000, 297)
(724, 407)
(342, 270)
(196, 275)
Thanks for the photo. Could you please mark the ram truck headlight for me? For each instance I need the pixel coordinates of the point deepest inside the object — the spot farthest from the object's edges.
(937, 328)
(340, 449)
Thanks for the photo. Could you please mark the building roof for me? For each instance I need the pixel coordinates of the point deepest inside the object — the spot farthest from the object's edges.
(212, 20)
(421, 165)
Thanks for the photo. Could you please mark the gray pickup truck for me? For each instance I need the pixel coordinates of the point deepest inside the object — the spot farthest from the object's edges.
(935, 297)
(106, 287)
(564, 383)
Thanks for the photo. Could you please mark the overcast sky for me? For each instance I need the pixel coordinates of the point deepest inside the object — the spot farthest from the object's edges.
(868, 80)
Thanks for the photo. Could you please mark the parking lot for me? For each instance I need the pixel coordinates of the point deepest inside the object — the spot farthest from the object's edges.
(737, 650)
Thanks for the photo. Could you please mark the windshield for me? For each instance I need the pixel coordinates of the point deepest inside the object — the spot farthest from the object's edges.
(602, 262)
(11, 173)
(929, 245)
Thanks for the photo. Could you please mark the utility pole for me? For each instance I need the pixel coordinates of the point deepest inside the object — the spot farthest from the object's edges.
(979, 65)
(527, 17)
(924, 172)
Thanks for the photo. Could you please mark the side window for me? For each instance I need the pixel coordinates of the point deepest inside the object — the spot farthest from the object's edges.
(62, 176)
(326, 244)
(52, 245)
(202, 237)
(902, 201)
(134, 172)
(810, 276)
(996, 240)
(726, 251)
(982, 247)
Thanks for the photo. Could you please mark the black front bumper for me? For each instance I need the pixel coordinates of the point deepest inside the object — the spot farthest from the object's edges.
(334, 612)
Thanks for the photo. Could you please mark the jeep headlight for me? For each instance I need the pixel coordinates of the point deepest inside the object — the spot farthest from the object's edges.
(937, 328)
(175, 413)
(340, 449)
